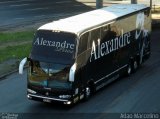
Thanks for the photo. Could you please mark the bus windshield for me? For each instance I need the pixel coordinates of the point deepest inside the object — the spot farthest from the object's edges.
(50, 75)
(54, 46)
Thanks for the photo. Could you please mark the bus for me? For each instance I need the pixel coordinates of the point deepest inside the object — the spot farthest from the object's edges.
(72, 58)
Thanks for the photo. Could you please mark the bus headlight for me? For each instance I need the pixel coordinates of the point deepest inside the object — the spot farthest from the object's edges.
(64, 96)
(31, 91)
(67, 103)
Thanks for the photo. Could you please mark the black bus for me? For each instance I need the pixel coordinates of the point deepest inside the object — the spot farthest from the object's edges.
(76, 56)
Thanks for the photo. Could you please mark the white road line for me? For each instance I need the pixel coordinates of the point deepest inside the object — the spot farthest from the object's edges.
(20, 18)
(63, 2)
(10, 1)
(78, 5)
(20, 5)
(5, 2)
(43, 8)
(39, 16)
(26, 0)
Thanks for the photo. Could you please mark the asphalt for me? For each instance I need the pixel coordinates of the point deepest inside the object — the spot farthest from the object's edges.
(23, 13)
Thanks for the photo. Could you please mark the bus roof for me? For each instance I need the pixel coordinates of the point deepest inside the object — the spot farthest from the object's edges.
(78, 23)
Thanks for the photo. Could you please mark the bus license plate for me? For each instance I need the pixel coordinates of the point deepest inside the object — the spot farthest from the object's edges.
(47, 100)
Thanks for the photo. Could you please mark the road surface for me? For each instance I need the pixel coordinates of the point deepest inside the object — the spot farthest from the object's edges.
(138, 93)
(22, 13)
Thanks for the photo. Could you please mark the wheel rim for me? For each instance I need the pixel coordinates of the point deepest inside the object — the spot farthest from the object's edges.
(129, 69)
(88, 92)
(135, 65)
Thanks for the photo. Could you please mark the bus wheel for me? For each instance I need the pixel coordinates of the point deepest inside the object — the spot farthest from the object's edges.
(129, 69)
(134, 65)
(87, 93)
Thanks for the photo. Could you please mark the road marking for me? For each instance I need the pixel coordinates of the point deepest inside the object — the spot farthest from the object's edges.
(39, 16)
(78, 5)
(26, 0)
(63, 2)
(42, 8)
(6, 2)
(19, 5)
(20, 18)
(11, 1)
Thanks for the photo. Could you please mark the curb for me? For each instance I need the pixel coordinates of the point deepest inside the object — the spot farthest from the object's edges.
(7, 74)
(2, 77)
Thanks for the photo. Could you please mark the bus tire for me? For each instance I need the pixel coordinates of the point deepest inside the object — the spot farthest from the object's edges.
(134, 65)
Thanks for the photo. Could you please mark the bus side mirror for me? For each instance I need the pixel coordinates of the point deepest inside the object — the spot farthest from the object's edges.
(72, 72)
(21, 65)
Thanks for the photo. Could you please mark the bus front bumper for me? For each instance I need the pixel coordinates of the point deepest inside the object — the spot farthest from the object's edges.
(48, 99)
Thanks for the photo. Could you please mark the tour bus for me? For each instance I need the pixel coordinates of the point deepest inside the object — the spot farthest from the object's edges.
(71, 58)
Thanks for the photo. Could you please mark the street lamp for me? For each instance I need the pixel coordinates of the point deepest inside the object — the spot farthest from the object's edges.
(99, 4)
(151, 4)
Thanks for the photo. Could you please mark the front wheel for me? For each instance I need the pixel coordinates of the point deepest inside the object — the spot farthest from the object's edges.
(134, 66)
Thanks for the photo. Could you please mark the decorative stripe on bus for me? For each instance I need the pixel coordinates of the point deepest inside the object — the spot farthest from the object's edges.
(46, 98)
(110, 74)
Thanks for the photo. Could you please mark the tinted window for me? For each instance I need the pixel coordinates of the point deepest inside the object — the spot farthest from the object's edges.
(95, 35)
(50, 75)
(104, 33)
(83, 43)
(107, 34)
(54, 46)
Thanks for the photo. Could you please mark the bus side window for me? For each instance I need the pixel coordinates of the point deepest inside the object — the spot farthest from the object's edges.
(107, 33)
(104, 33)
(83, 43)
(95, 35)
